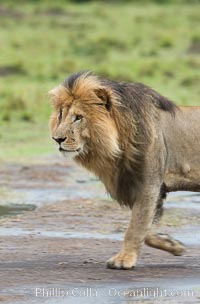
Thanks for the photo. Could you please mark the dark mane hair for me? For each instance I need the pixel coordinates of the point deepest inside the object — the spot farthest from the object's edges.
(133, 95)
(70, 81)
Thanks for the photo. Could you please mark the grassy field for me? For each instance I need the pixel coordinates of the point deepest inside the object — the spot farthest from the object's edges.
(42, 43)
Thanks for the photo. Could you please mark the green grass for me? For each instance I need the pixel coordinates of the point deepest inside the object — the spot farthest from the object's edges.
(22, 140)
(41, 43)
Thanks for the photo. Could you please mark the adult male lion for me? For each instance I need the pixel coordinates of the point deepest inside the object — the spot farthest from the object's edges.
(140, 144)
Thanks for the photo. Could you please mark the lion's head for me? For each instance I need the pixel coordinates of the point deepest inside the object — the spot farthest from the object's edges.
(82, 122)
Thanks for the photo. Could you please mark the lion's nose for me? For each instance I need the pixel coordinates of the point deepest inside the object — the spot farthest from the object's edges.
(59, 140)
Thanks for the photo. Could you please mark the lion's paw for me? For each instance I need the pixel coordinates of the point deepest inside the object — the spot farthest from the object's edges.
(170, 244)
(178, 248)
(122, 260)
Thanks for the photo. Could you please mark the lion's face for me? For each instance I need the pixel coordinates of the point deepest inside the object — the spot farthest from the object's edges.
(82, 122)
(69, 128)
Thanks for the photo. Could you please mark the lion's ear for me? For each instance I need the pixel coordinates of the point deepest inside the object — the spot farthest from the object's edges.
(104, 96)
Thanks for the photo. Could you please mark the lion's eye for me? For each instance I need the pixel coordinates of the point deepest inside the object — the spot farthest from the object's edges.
(78, 118)
(60, 116)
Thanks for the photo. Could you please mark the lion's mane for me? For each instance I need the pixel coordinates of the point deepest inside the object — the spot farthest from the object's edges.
(134, 109)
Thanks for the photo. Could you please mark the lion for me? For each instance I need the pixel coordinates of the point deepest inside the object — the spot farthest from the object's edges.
(140, 145)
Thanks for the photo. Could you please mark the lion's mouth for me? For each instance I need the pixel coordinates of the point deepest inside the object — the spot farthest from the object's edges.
(63, 150)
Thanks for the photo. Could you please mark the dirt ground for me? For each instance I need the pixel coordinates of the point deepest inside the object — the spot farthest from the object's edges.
(56, 251)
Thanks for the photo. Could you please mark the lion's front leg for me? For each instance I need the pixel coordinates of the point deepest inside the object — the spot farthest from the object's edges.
(141, 220)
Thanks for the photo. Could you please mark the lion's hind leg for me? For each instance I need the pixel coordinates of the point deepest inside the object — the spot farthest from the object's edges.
(159, 240)
(165, 242)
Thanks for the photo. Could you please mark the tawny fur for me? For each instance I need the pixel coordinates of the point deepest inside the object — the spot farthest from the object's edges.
(137, 142)
(118, 137)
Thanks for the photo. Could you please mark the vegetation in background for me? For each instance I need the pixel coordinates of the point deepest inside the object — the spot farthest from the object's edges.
(42, 42)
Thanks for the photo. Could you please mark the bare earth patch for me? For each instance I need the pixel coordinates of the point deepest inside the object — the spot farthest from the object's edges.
(57, 252)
